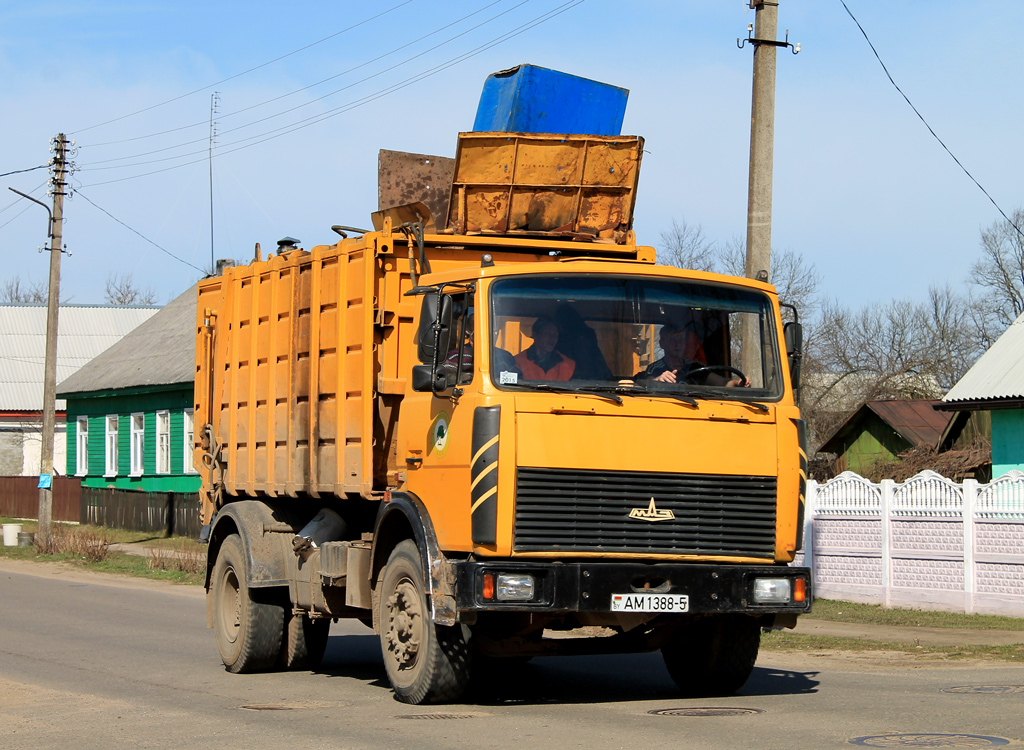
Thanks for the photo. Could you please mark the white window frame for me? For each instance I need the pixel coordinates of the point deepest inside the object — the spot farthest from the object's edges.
(137, 445)
(81, 446)
(189, 426)
(110, 451)
(163, 442)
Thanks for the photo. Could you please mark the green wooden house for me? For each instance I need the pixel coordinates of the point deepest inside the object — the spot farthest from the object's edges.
(129, 410)
(879, 431)
(996, 384)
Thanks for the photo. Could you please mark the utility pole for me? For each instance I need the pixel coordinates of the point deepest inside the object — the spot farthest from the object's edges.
(59, 186)
(762, 139)
(762, 148)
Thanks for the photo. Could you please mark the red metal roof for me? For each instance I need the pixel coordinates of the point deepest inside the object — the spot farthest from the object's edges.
(915, 421)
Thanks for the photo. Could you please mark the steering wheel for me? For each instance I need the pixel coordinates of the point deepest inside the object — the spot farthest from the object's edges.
(716, 368)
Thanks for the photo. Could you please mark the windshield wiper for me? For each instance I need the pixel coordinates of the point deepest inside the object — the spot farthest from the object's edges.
(565, 389)
(636, 389)
(730, 394)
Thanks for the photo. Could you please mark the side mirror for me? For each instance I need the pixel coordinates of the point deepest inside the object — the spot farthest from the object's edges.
(435, 327)
(427, 378)
(793, 333)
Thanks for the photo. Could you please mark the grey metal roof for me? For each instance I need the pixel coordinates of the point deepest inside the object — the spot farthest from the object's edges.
(161, 351)
(83, 331)
(998, 374)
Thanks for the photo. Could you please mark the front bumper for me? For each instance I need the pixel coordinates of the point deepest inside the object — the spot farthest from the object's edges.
(588, 587)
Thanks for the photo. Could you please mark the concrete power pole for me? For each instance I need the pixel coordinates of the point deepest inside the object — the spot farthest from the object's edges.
(46, 472)
(762, 147)
(762, 139)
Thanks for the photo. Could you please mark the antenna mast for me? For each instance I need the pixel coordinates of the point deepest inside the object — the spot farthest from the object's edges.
(214, 101)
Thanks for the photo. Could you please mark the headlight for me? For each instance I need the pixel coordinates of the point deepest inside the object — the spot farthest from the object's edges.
(515, 587)
(773, 590)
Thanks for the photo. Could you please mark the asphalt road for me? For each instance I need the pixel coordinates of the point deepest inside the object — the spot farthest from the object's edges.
(89, 661)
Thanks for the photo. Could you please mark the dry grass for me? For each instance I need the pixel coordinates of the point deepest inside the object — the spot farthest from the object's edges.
(71, 541)
(183, 559)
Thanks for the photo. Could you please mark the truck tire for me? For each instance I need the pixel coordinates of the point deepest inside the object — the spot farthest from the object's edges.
(304, 642)
(248, 623)
(426, 663)
(713, 656)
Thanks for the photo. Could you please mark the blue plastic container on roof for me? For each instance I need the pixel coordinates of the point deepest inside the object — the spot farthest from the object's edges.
(530, 99)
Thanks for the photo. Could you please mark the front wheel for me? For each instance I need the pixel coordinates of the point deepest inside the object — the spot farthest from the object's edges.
(248, 623)
(713, 656)
(426, 663)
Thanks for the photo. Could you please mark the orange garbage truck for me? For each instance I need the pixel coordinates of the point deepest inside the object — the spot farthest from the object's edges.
(504, 433)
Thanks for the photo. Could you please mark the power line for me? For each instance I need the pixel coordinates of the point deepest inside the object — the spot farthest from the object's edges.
(22, 171)
(930, 130)
(79, 193)
(314, 120)
(245, 72)
(296, 91)
(310, 102)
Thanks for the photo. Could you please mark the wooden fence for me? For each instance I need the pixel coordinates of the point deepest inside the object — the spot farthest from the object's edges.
(163, 513)
(19, 498)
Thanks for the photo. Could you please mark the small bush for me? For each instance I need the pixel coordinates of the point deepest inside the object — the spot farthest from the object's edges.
(74, 542)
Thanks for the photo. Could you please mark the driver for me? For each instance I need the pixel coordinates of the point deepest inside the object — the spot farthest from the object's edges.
(675, 365)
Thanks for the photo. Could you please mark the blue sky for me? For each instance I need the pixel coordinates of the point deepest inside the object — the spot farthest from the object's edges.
(862, 190)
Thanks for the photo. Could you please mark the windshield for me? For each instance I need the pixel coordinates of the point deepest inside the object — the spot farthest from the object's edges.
(634, 334)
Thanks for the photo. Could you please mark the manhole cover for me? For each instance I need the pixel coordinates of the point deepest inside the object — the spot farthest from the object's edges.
(929, 740)
(441, 716)
(985, 689)
(706, 711)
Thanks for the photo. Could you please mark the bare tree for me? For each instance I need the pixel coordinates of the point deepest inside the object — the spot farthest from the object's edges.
(796, 281)
(121, 290)
(685, 246)
(14, 292)
(1000, 271)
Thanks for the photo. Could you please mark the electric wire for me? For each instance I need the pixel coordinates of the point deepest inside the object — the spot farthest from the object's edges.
(79, 193)
(290, 93)
(296, 126)
(22, 171)
(244, 72)
(921, 118)
(295, 108)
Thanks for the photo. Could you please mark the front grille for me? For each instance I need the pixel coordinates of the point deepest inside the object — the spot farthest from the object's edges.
(589, 511)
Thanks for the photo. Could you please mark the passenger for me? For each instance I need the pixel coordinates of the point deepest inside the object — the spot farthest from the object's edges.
(578, 341)
(541, 361)
(675, 366)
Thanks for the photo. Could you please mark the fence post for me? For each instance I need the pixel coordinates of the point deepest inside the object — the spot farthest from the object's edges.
(810, 502)
(970, 496)
(888, 488)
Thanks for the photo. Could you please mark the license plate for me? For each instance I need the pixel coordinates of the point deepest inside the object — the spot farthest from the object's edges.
(650, 603)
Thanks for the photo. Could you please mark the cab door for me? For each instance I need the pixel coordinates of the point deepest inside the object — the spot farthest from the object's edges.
(435, 443)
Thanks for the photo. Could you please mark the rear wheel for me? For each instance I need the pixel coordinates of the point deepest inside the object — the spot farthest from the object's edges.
(247, 623)
(713, 656)
(305, 641)
(426, 663)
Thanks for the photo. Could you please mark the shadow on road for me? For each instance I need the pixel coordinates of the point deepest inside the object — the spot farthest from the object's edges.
(565, 679)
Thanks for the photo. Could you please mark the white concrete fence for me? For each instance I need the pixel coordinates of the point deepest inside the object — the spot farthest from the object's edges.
(926, 543)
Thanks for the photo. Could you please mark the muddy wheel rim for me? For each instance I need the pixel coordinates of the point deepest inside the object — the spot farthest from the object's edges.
(405, 632)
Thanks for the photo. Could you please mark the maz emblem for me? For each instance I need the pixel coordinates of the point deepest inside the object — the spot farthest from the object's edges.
(651, 513)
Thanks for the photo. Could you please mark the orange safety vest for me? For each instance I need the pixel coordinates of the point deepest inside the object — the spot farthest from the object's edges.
(532, 371)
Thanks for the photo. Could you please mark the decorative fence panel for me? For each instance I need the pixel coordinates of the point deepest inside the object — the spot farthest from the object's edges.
(927, 542)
